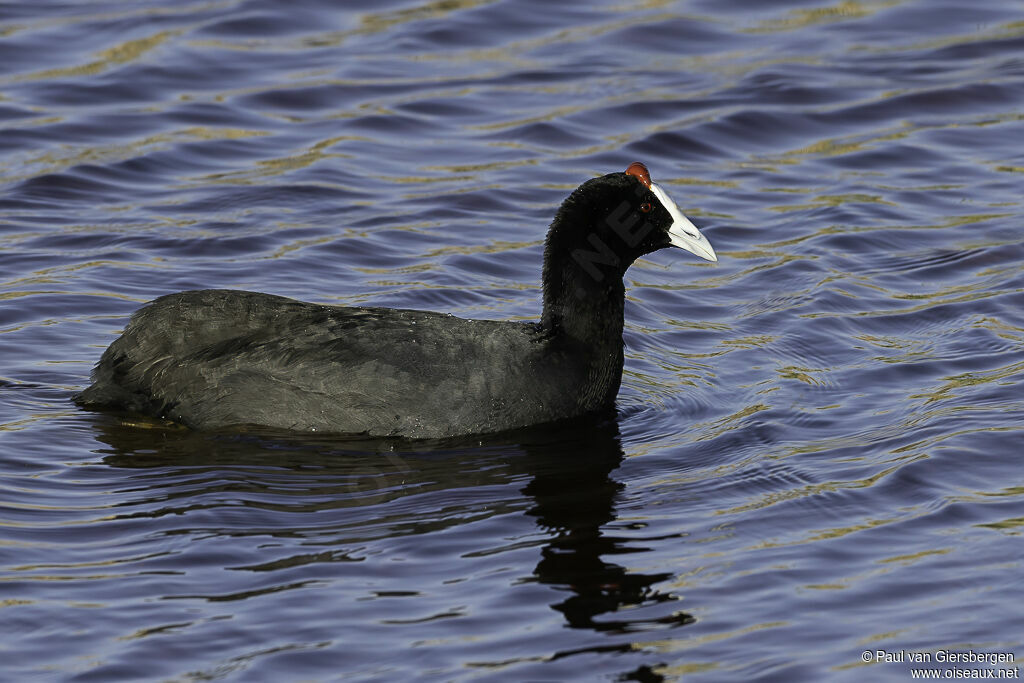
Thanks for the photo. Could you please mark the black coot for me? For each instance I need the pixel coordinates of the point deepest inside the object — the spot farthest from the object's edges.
(217, 358)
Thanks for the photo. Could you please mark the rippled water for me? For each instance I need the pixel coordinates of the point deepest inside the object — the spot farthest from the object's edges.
(818, 445)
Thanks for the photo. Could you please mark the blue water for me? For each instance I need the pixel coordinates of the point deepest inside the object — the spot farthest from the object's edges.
(818, 444)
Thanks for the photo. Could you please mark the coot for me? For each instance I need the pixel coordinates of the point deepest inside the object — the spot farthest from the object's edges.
(220, 358)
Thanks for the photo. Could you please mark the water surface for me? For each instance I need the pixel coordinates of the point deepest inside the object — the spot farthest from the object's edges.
(816, 451)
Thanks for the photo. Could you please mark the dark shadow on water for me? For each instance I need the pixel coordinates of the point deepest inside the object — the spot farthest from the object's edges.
(570, 491)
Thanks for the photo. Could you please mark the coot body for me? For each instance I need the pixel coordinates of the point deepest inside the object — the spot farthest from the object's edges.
(221, 358)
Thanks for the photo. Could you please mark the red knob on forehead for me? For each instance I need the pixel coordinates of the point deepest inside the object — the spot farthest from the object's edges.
(640, 171)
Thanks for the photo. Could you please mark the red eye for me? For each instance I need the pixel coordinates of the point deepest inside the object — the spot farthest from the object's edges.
(646, 207)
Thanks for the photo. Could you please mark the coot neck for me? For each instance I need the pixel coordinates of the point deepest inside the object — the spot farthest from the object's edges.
(584, 296)
(584, 311)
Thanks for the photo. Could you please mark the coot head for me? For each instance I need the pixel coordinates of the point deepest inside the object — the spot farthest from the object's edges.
(612, 220)
(602, 228)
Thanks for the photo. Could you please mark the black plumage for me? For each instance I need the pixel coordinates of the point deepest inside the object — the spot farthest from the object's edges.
(219, 358)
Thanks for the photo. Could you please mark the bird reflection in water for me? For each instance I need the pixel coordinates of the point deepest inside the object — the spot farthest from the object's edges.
(359, 496)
